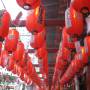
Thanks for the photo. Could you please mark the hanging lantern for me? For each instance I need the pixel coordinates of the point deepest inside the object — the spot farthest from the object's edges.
(74, 22)
(4, 58)
(80, 60)
(41, 52)
(23, 61)
(81, 5)
(14, 71)
(87, 45)
(35, 22)
(32, 73)
(70, 72)
(28, 4)
(68, 41)
(38, 40)
(22, 74)
(11, 62)
(4, 24)
(45, 65)
(0, 47)
(11, 40)
(63, 59)
(83, 56)
(18, 54)
(65, 53)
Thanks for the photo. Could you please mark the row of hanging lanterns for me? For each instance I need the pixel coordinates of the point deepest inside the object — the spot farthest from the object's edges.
(13, 55)
(76, 40)
(35, 24)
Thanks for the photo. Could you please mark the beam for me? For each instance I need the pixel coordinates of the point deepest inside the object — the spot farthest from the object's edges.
(48, 22)
(50, 50)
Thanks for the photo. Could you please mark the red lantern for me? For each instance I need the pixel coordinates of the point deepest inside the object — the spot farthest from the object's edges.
(65, 54)
(4, 23)
(23, 61)
(35, 21)
(70, 72)
(68, 41)
(38, 40)
(80, 60)
(81, 5)
(4, 58)
(28, 4)
(83, 56)
(74, 22)
(45, 65)
(0, 47)
(14, 71)
(11, 40)
(11, 62)
(22, 74)
(87, 45)
(18, 54)
(41, 52)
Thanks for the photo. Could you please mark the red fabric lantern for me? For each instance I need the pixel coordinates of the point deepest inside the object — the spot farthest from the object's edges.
(80, 60)
(18, 54)
(41, 52)
(87, 45)
(45, 65)
(11, 40)
(11, 62)
(4, 58)
(23, 61)
(14, 71)
(38, 40)
(0, 47)
(4, 23)
(70, 72)
(74, 22)
(81, 5)
(28, 4)
(32, 73)
(68, 41)
(22, 74)
(35, 21)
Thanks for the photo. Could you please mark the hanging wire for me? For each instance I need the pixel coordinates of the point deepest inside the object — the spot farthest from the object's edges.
(3, 4)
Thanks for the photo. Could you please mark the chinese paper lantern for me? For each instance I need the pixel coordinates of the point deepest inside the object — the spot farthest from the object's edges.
(38, 40)
(87, 45)
(65, 53)
(11, 62)
(84, 56)
(23, 61)
(74, 22)
(45, 65)
(22, 74)
(28, 4)
(81, 5)
(80, 60)
(11, 40)
(4, 58)
(18, 54)
(0, 47)
(4, 23)
(35, 21)
(41, 52)
(68, 41)
(14, 71)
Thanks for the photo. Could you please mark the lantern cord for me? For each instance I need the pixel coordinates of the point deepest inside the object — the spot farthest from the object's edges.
(3, 5)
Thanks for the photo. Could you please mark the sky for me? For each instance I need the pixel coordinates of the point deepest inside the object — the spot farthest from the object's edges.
(13, 8)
